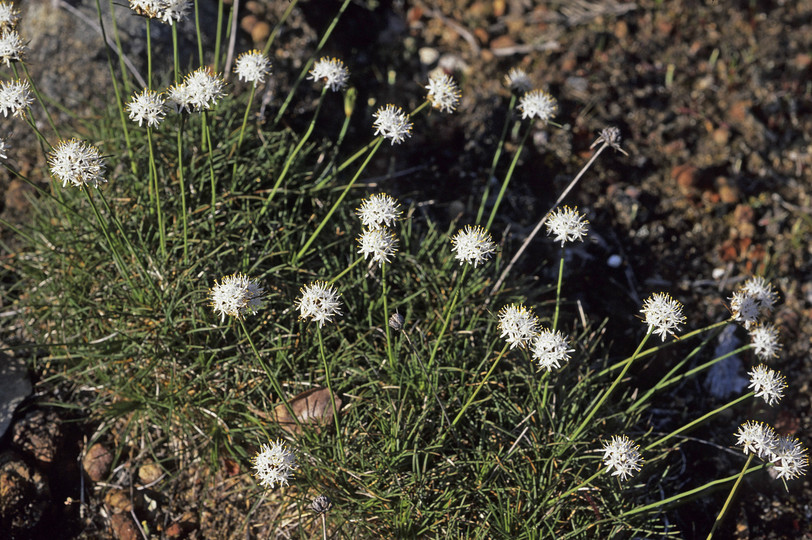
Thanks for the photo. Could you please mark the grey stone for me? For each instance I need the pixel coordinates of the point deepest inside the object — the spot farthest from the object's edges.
(15, 386)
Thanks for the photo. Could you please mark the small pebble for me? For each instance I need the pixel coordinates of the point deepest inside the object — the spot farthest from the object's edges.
(614, 261)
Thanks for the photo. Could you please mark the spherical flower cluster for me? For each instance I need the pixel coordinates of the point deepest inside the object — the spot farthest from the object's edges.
(378, 210)
(77, 162)
(550, 349)
(767, 384)
(764, 338)
(3, 149)
(199, 91)
(179, 98)
(663, 314)
(756, 438)
(274, 464)
(319, 301)
(518, 325)
(173, 11)
(567, 224)
(15, 97)
(538, 104)
(147, 8)
(518, 81)
(472, 245)
(11, 47)
(9, 16)
(332, 71)
(392, 123)
(379, 243)
(235, 295)
(789, 458)
(621, 455)
(147, 106)
(252, 67)
(753, 299)
(444, 94)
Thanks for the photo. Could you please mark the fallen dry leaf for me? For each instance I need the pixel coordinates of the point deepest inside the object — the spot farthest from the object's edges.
(311, 407)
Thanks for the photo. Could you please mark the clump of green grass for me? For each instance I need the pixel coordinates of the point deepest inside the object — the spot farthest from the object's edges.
(445, 428)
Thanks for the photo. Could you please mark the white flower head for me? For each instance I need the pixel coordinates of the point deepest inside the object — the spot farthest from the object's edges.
(147, 8)
(621, 455)
(550, 349)
(767, 384)
(11, 47)
(538, 104)
(15, 97)
(147, 106)
(379, 210)
(392, 123)
(379, 243)
(744, 308)
(444, 94)
(472, 245)
(789, 458)
(567, 224)
(235, 296)
(3, 148)
(518, 81)
(753, 299)
(77, 162)
(252, 67)
(765, 341)
(205, 87)
(179, 98)
(756, 438)
(663, 314)
(9, 15)
(332, 71)
(762, 291)
(172, 11)
(274, 464)
(518, 325)
(319, 301)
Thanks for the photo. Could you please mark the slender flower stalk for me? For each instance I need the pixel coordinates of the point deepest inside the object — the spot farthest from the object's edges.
(508, 176)
(323, 355)
(479, 386)
(251, 67)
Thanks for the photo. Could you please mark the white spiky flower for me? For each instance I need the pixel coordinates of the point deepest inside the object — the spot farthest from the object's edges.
(567, 224)
(663, 314)
(274, 464)
(9, 15)
(147, 8)
(147, 106)
(756, 438)
(789, 458)
(172, 11)
(518, 324)
(15, 97)
(3, 148)
(472, 245)
(744, 308)
(332, 71)
(621, 455)
(179, 97)
(518, 81)
(235, 296)
(767, 384)
(538, 104)
(444, 94)
(205, 87)
(550, 349)
(11, 47)
(252, 67)
(764, 338)
(319, 301)
(77, 162)
(378, 210)
(379, 243)
(762, 291)
(392, 123)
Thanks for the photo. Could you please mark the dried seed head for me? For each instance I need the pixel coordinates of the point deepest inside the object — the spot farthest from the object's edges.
(321, 504)
(396, 322)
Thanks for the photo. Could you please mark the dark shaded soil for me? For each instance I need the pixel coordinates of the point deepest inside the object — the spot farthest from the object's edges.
(713, 100)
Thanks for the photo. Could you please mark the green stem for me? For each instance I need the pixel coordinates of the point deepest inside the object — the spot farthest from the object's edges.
(282, 19)
(579, 486)
(699, 420)
(154, 182)
(479, 386)
(122, 269)
(558, 289)
(335, 206)
(448, 309)
(242, 134)
(292, 155)
(197, 29)
(149, 54)
(350, 267)
(38, 96)
(125, 78)
(218, 34)
(175, 55)
(182, 190)
(730, 496)
(389, 350)
(495, 160)
(608, 392)
(330, 390)
(508, 176)
(207, 142)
